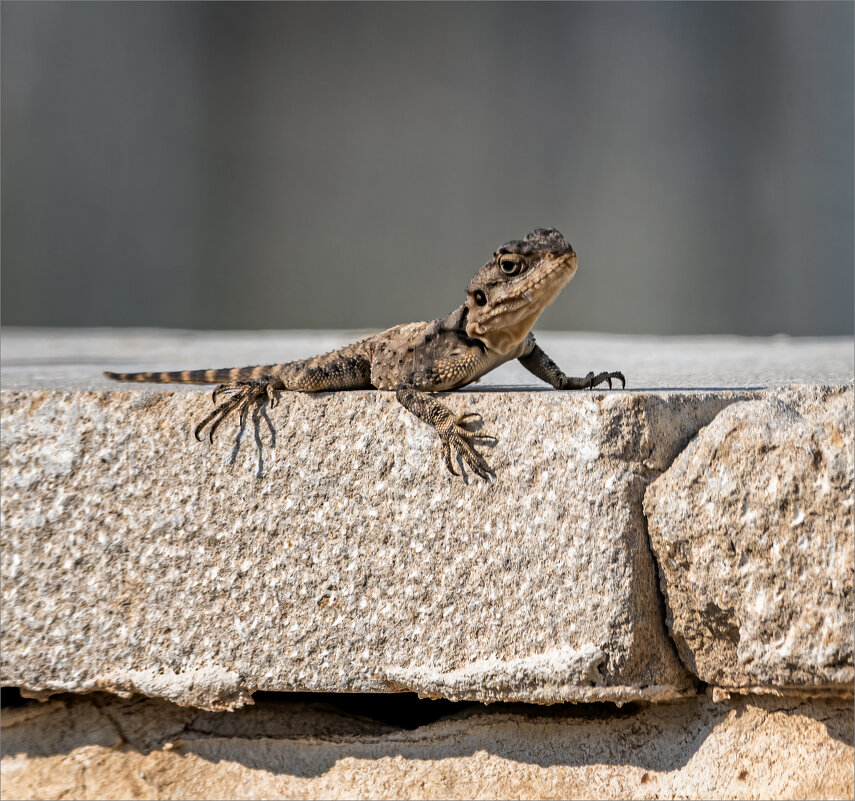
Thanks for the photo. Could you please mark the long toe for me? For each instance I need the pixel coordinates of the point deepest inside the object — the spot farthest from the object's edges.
(446, 455)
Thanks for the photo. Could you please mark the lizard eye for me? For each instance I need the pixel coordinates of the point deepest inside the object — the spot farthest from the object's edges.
(480, 297)
(510, 266)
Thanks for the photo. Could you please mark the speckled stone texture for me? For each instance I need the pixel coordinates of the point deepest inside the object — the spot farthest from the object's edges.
(99, 747)
(752, 527)
(136, 559)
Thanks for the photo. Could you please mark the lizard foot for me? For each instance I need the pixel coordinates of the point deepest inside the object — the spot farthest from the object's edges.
(459, 438)
(245, 394)
(592, 380)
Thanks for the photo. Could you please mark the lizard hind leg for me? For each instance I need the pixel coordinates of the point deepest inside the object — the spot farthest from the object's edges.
(245, 394)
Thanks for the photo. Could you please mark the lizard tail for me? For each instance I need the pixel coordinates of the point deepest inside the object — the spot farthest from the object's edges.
(219, 376)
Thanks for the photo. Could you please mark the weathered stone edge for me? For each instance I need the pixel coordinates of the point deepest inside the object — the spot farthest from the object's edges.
(233, 693)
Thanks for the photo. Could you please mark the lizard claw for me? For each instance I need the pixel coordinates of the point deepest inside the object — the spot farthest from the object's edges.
(218, 390)
(592, 380)
(446, 455)
(461, 441)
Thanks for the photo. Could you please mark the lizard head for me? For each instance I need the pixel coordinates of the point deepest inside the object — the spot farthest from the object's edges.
(509, 292)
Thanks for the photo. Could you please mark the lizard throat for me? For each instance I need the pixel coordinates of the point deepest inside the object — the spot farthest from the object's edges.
(504, 340)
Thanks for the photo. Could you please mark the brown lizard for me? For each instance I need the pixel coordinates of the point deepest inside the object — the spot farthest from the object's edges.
(493, 326)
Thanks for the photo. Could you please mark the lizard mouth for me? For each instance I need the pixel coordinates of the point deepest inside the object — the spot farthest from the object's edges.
(551, 278)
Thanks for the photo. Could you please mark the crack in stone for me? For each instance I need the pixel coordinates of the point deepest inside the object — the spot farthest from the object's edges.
(648, 477)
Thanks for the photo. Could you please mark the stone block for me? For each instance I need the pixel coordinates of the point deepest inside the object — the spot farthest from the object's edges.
(752, 528)
(344, 558)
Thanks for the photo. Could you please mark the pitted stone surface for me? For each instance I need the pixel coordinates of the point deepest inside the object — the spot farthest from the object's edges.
(753, 531)
(136, 559)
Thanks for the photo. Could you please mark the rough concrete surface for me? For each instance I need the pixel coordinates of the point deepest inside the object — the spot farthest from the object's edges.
(137, 560)
(752, 527)
(100, 747)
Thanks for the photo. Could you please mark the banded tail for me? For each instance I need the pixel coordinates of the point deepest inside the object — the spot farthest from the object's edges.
(221, 375)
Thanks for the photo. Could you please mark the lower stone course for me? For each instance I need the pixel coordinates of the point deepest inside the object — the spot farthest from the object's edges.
(101, 747)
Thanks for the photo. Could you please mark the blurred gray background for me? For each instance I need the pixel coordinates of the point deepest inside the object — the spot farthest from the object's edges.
(351, 165)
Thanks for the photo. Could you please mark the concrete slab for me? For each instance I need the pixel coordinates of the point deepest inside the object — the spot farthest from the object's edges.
(73, 359)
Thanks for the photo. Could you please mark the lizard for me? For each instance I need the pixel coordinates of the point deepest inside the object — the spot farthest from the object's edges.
(416, 360)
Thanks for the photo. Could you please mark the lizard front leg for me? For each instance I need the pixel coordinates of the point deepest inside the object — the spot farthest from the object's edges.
(453, 432)
(537, 362)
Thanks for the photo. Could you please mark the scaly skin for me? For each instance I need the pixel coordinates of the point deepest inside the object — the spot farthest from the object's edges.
(493, 326)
